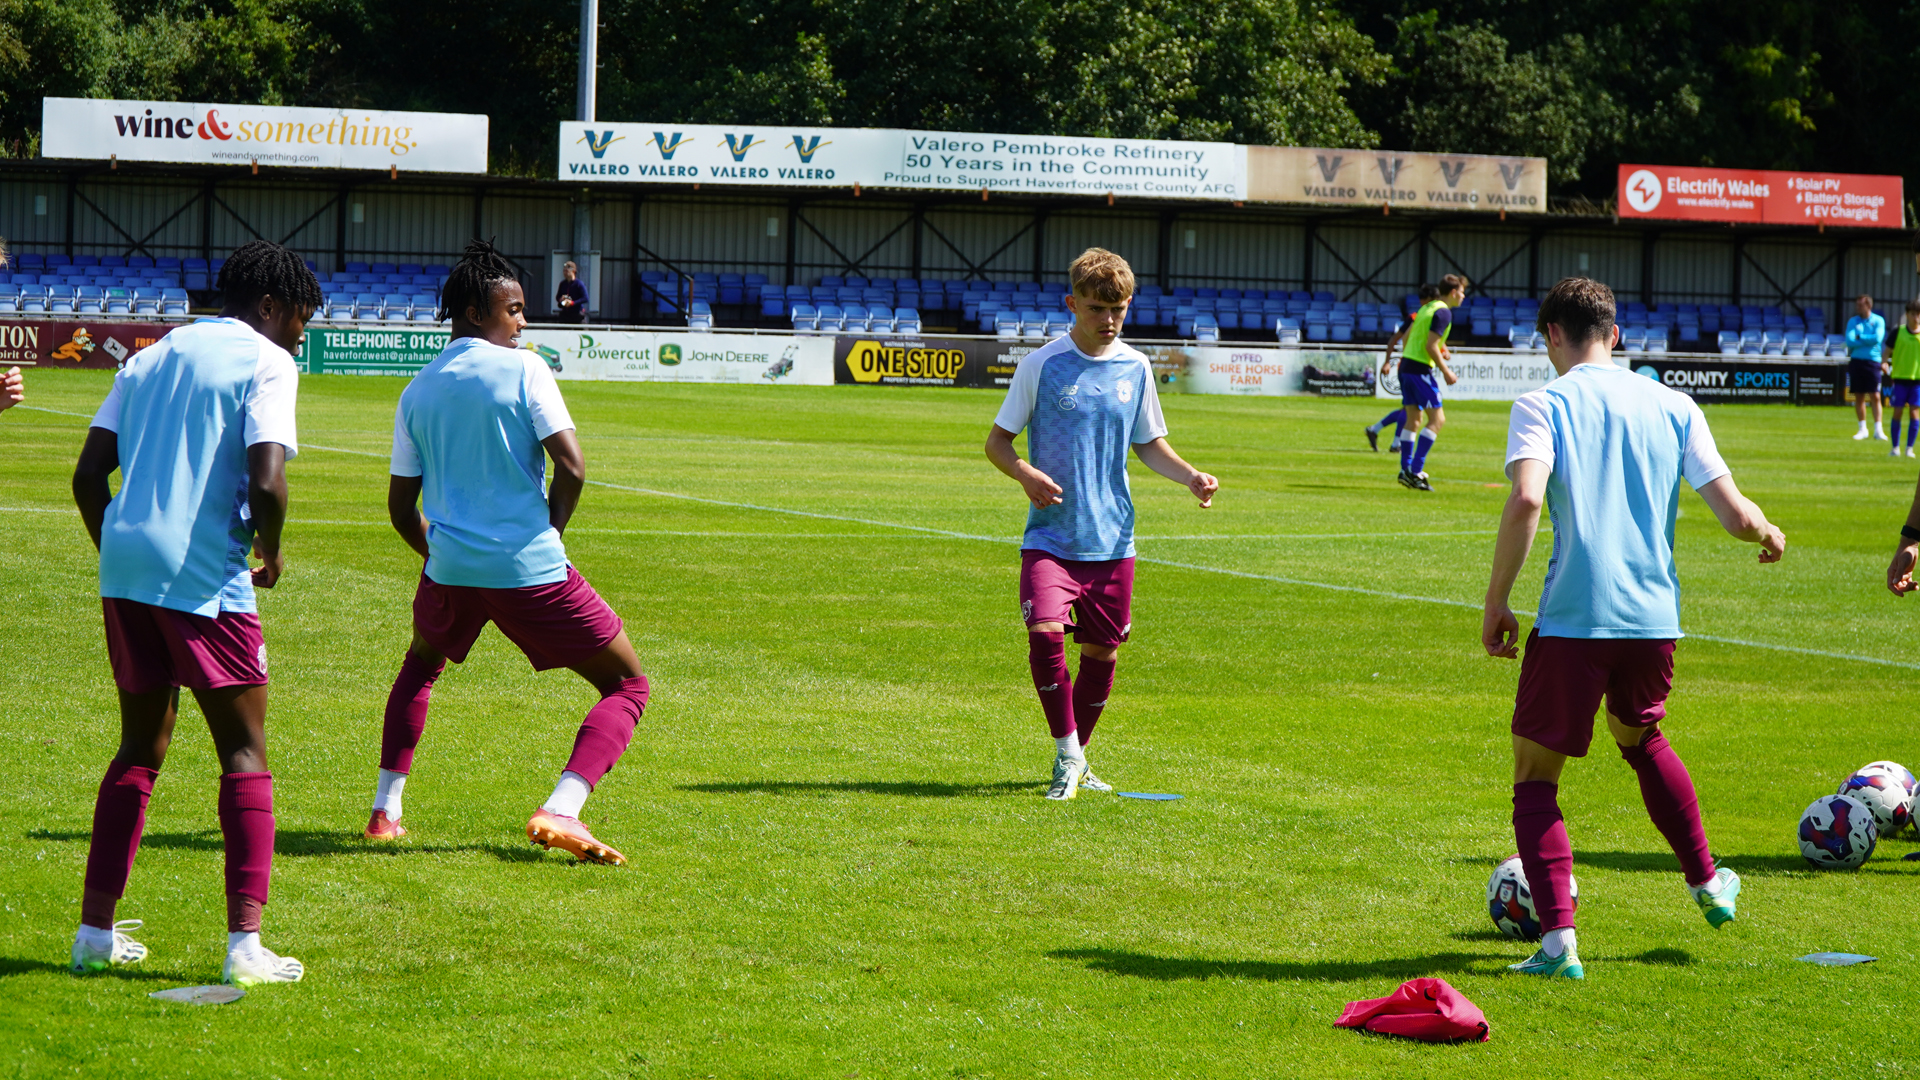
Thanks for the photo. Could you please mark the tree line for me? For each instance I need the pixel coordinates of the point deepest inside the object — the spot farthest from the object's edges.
(1583, 83)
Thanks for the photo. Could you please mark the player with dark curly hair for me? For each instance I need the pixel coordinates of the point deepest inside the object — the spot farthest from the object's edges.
(200, 426)
(471, 440)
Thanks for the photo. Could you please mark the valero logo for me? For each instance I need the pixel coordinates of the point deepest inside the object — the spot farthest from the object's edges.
(806, 148)
(669, 354)
(870, 361)
(738, 145)
(599, 142)
(666, 146)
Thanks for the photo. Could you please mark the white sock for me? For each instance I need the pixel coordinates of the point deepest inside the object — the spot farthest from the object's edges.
(95, 938)
(386, 796)
(1556, 942)
(1069, 746)
(1879, 430)
(1713, 885)
(569, 795)
(1863, 425)
(248, 942)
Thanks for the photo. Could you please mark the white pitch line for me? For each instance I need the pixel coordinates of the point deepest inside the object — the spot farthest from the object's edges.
(1300, 582)
(56, 412)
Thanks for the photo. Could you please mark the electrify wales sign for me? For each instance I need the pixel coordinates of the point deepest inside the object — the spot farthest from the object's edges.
(1761, 196)
(218, 134)
(764, 156)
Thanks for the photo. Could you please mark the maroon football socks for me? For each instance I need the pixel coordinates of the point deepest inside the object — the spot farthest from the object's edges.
(406, 718)
(119, 816)
(607, 730)
(1047, 656)
(1090, 690)
(1668, 792)
(1545, 853)
(246, 823)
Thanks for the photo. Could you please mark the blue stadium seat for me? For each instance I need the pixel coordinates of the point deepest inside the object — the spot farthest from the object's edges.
(395, 307)
(831, 318)
(9, 298)
(1287, 329)
(1634, 339)
(382, 268)
(146, 301)
(89, 300)
(409, 269)
(1795, 343)
(879, 319)
(60, 300)
(33, 299)
(118, 301)
(1751, 342)
(425, 308)
(1205, 328)
(1058, 323)
(853, 317)
(804, 318)
(1006, 324)
(699, 316)
(906, 321)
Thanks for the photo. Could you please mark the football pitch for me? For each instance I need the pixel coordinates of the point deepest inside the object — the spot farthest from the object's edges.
(840, 862)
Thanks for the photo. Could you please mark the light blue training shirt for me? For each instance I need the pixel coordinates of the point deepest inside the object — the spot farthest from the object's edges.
(1864, 335)
(185, 409)
(1618, 444)
(470, 426)
(1081, 414)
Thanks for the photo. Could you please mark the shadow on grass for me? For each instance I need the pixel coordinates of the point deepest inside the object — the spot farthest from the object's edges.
(13, 965)
(302, 843)
(1170, 969)
(907, 788)
(1663, 862)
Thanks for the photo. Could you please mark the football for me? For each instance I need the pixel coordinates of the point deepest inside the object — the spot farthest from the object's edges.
(1837, 832)
(1888, 789)
(1510, 902)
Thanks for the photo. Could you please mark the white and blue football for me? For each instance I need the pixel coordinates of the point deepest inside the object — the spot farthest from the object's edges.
(1837, 832)
(1510, 902)
(1888, 790)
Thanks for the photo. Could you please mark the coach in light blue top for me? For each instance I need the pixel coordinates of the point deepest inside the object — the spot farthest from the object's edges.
(471, 426)
(185, 410)
(1866, 331)
(1082, 414)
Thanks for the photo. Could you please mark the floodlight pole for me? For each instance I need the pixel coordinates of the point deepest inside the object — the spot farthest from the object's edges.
(589, 64)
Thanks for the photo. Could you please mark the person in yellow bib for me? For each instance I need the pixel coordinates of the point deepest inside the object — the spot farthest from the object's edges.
(1903, 372)
(1425, 349)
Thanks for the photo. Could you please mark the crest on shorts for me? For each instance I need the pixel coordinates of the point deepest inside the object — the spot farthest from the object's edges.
(1026, 610)
(261, 659)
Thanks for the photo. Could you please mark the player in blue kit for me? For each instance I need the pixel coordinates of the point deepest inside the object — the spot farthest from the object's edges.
(1425, 349)
(1083, 399)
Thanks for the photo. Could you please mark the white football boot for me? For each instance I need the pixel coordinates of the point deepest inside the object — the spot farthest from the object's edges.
(123, 950)
(249, 967)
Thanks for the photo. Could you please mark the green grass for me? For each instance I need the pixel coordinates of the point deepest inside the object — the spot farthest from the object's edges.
(840, 863)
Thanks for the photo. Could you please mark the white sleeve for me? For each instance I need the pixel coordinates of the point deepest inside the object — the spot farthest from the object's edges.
(1149, 423)
(1700, 460)
(270, 401)
(549, 409)
(1022, 392)
(108, 417)
(1529, 432)
(406, 457)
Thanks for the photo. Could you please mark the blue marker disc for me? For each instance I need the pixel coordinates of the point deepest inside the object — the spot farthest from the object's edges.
(1146, 795)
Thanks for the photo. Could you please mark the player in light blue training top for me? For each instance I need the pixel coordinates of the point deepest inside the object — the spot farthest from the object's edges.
(1605, 450)
(200, 426)
(1083, 400)
(1866, 333)
(471, 439)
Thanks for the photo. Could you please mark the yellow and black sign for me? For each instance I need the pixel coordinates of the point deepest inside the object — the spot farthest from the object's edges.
(911, 362)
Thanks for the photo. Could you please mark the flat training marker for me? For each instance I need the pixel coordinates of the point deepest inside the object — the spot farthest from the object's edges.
(200, 995)
(1837, 959)
(1148, 796)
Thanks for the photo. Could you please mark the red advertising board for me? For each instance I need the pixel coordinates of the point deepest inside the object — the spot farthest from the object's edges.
(69, 343)
(1761, 196)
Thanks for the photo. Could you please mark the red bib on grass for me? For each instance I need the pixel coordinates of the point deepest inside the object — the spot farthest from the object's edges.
(1425, 1009)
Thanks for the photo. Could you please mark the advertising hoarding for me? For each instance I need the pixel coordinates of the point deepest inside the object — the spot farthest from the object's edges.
(1294, 174)
(598, 354)
(71, 343)
(212, 133)
(763, 156)
(1712, 381)
(1761, 196)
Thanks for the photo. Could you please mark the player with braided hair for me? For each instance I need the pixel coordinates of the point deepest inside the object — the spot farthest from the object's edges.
(471, 441)
(200, 426)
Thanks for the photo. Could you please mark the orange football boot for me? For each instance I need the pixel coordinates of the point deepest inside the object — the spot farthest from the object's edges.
(380, 827)
(551, 830)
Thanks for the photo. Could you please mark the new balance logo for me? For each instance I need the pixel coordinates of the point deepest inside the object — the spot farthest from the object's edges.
(738, 145)
(599, 143)
(806, 148)
(667, 148)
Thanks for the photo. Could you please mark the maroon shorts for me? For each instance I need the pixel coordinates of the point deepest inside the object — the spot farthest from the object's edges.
(154, 647)
(1093, 599)
(1563, 679)
(557, 625)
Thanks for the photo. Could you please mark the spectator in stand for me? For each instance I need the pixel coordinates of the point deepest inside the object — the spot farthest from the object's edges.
(571, 296)
(1865, 333)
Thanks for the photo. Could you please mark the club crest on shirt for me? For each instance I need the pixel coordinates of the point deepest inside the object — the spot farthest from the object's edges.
(1125, 393)
(1067, 397)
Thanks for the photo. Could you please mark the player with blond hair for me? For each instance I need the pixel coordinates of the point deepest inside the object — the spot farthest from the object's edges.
(1083, 399)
